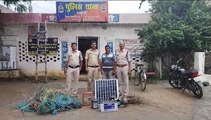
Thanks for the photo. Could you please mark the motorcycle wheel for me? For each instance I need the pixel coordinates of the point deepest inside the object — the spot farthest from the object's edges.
(196, 89)
(175, 83)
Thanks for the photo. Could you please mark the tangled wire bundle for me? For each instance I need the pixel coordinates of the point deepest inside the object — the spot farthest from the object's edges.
(49, 100)
(47, 106)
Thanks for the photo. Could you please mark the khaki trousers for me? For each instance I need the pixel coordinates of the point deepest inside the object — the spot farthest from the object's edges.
(72, 77)
(122, 76)
(92, 76)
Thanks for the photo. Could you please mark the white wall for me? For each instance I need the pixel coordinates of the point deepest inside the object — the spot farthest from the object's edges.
(3, 9)
(124, 31)
(199, 61)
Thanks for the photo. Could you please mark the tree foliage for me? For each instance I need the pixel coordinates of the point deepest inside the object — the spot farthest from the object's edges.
(178, 27)
(20, 5)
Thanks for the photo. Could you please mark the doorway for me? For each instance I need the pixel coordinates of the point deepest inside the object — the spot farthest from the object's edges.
(83, 45)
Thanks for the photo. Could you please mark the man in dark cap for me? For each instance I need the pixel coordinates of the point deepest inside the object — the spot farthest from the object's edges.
(107, 63)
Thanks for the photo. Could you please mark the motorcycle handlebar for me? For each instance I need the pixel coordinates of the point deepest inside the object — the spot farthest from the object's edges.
(179, 60)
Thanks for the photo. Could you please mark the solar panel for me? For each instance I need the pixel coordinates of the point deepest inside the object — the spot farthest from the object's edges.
(105, 89)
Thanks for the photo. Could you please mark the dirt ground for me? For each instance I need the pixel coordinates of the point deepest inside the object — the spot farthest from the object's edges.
(160, 102)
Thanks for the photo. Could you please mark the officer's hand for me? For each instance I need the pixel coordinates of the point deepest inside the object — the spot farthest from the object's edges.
(129, 70)
(65, 72)
(113, 72)
(87, 69)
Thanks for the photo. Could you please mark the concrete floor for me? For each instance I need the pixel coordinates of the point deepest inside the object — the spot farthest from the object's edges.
(160, 102)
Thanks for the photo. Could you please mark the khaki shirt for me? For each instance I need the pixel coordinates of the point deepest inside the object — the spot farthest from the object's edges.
(122, 57)
(92, 57)
(74, 58)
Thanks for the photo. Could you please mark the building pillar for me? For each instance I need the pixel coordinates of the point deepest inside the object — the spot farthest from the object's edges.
(159, 66)
(199, 62)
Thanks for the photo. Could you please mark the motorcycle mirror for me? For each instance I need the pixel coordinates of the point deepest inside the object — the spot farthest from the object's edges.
(179, 60)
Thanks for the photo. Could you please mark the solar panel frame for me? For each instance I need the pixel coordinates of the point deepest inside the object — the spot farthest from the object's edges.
(106, 88)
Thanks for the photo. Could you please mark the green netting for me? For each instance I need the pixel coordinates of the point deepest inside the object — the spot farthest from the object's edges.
(47, 106)
(24, 106)
(49, 99)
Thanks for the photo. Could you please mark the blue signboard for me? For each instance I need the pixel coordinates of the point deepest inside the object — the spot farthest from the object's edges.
(113, 17)
(82, 11)
(64, 52)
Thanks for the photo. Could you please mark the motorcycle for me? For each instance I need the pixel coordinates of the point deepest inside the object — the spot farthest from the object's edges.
(183, 79)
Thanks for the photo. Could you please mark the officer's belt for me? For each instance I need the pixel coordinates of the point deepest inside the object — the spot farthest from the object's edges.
(93, 66)
(74, 66)
(121, 65)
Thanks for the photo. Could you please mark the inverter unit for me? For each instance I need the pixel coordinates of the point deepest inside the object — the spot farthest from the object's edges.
(105, 89)
(108, 106)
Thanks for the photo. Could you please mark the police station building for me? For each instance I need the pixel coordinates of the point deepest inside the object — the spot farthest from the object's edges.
(80, 22)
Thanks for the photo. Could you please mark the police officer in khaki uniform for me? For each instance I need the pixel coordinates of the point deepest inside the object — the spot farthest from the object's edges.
(72, 68)
(123, 63)
(92, 65)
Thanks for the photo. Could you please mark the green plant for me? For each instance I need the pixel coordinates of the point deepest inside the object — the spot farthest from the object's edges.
(178, 29)
(20, 5)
